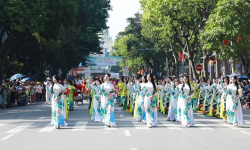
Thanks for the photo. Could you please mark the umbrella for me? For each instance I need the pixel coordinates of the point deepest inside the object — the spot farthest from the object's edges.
(243, 77)
(25, 79)
(235, 74)
(226, 76)
(17, 76)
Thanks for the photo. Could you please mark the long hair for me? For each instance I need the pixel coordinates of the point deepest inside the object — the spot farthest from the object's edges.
(204, 79)
(152, 80)
(145, 78)
(237, 85)
(187, 83)
(57, 79)
(226, 77)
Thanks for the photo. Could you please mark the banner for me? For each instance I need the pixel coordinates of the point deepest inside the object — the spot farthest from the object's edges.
(103, 61)
(114, 75)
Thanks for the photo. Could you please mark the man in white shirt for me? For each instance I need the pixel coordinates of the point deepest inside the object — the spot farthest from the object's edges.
(48, 85)
(78, 81)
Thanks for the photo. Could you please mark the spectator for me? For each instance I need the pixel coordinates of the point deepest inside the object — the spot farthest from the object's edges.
(22, 101)
(38, 91)
(2, 98)
(12, 94)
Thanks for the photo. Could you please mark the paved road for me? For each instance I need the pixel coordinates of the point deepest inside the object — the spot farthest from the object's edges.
(28, 128)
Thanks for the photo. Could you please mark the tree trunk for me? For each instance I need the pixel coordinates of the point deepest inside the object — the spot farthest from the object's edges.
(225, 68)
(176, 72)
(246, 69)
(205, 62)
(217, 66)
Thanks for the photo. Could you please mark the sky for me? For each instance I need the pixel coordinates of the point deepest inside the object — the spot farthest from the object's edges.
(122, 9)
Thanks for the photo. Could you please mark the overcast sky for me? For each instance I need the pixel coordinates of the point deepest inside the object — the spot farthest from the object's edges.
(122, 9)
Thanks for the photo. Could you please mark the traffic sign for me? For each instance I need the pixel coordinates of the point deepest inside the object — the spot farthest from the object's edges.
(199, 67)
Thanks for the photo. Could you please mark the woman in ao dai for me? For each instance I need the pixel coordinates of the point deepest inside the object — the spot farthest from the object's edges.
(107, 102)
(234, 110)
(224, 97)
(172, 112)
(187, 118)
(140, 116)
(178, 108)
(97, 102)
(57, 119)
(151, 102)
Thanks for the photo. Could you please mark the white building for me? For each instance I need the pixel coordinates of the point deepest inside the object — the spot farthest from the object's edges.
(93, 71)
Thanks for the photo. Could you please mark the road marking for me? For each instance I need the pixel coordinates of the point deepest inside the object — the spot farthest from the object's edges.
(127, 133)
(203, 126)
(47, 128)
(245, 132)
(2, 125)
(41, 117)
(133, 148)
(201, 115)
(120, 109)
(80, 126)
(106, 132)
(8, 136)
(121, 116)
(139, 125)
(170, 125)
(19, 128)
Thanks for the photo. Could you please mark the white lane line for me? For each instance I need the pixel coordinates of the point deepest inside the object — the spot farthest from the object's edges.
(139, 125)
(127, 133)
(2, 125)
(19, 128)
(41, 117)
(170, 125)
(80, 126)
(8, 136)
(47, 128)
(245, 132)
(201, 115)
(133, 148)
(121, 116)
(203, 126)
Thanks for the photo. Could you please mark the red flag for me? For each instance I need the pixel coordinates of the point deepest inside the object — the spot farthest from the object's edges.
(180, 56)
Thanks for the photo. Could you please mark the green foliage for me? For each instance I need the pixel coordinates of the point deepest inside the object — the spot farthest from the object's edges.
(41, 29)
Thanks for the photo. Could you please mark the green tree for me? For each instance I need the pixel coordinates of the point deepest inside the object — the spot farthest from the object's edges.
(229, 21)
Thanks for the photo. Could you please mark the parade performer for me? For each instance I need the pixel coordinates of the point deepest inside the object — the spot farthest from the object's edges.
(202, 86)
(179, 91)
(107, 102)
(224, 97)
(150, 102)
(140, 101)
(96, 102)
(196, 94)
(57, 119)
(234, 110)
(187, 118)
(172, 111)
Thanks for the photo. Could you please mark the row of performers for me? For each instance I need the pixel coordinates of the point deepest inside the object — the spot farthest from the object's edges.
(178, 99)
